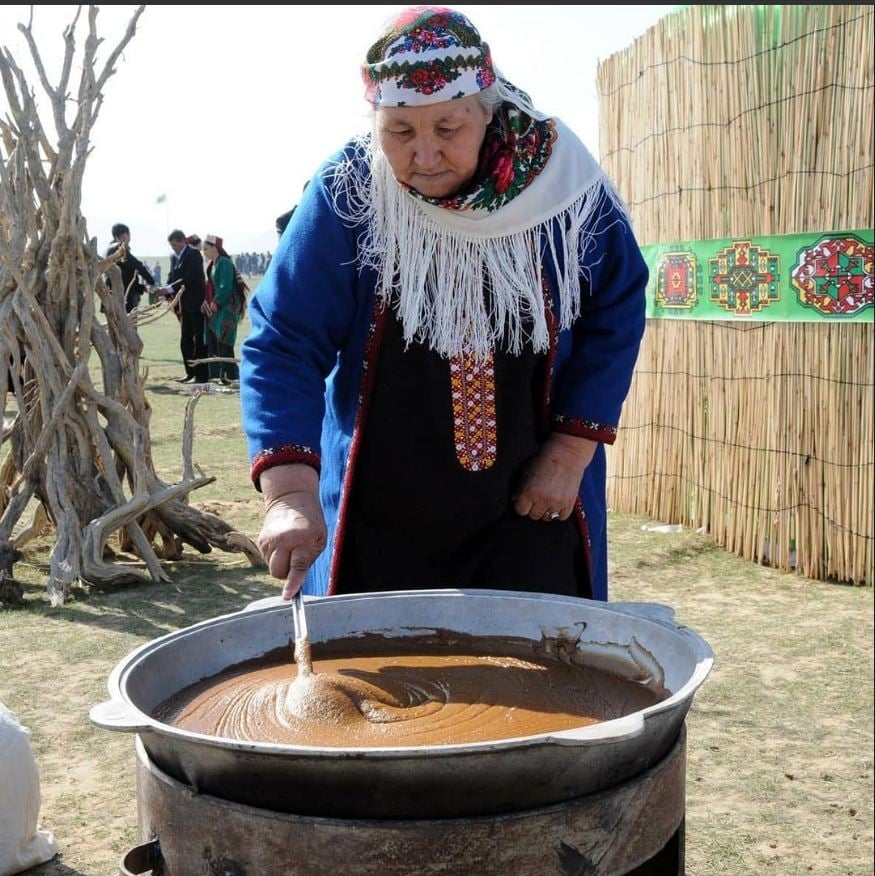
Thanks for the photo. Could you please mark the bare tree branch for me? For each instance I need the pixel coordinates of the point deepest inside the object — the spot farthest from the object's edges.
(81, 455)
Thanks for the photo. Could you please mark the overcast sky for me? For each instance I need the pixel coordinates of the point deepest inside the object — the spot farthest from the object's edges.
(227, 111)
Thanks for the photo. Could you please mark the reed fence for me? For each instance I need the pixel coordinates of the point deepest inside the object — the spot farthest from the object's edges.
(731, 122)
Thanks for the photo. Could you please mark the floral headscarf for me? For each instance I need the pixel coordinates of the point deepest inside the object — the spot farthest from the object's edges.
(426, 54)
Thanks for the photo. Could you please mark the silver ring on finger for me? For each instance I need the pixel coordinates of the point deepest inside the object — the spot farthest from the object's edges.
(553, 515)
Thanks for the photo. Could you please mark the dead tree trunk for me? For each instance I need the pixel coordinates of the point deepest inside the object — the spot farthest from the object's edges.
(75, 438)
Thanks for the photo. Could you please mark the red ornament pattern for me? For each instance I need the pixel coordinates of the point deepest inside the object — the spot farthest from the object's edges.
(835, 276)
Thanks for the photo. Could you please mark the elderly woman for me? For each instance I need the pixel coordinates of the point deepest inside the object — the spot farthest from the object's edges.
(444, 339)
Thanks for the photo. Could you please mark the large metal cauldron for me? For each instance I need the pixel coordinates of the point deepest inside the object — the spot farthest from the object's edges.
(638, 641)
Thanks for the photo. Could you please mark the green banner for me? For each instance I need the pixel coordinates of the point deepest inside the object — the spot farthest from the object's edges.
(812, 277)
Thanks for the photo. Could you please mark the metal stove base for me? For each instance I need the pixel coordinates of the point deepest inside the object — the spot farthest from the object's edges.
(633, 829)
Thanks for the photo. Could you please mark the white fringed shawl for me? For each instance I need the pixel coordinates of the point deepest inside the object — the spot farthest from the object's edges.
(434, 263)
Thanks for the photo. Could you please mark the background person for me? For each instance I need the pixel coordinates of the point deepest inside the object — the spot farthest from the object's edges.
(443, 341)
(187, 271)
(23, 843)
(223, 308)
(130, 266)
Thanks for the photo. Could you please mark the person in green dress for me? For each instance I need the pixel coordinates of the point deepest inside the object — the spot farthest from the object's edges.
(223, 308)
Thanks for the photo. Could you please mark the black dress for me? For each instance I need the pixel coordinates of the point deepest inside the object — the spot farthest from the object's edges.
(430, 504)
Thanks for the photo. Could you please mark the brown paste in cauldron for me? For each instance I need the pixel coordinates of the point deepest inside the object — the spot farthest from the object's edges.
(376, 691)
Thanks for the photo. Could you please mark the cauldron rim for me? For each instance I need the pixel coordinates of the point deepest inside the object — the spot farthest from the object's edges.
(600, 732)
(481, 776)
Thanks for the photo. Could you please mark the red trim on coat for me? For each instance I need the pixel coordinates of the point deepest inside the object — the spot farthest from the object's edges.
(553, 332)
(284, 454)
(550, 365)
(372, 349)
(585, 429)
(583, 526)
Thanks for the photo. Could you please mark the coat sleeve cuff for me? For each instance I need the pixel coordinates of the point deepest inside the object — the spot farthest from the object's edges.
(284, 454)
(601, 432)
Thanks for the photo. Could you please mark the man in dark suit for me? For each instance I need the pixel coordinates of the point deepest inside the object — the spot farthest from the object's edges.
(130, 266)
(187, 272)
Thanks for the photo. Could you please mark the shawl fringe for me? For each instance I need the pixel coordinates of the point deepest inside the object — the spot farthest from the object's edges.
(470, 290)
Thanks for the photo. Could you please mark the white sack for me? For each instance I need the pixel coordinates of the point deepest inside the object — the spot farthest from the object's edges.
(22, 844)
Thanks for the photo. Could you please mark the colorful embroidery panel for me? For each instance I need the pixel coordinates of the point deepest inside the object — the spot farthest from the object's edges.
(835, 276)
(790, 278)
(472, 383)
(743, 278)
(676, 282)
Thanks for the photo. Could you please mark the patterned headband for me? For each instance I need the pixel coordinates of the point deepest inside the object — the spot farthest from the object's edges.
(427, 54)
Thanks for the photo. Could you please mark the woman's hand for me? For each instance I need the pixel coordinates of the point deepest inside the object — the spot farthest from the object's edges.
(294, 532)
(551, 479)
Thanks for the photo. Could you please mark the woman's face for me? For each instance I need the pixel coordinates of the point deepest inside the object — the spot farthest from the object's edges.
(433, 149)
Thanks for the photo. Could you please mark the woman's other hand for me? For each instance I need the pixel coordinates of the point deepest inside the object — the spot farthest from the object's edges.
(551, 479)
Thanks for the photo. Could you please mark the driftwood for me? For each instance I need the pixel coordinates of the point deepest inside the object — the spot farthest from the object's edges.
(75, 439)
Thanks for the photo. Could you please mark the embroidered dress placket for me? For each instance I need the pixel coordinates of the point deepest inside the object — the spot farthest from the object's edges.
(474, 420)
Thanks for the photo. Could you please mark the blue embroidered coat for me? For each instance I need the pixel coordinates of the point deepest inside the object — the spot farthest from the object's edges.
(315, 333)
